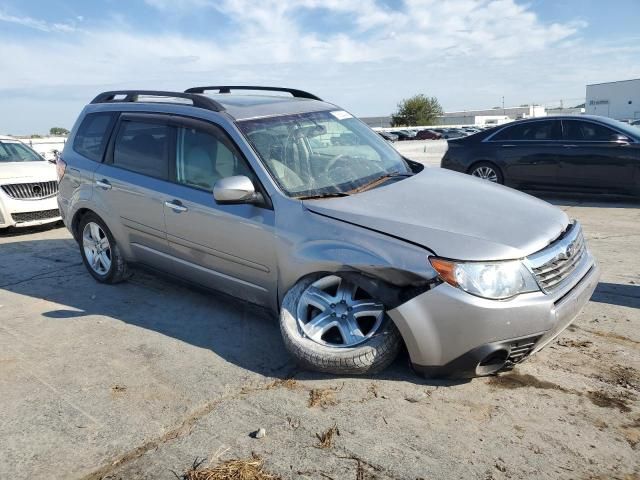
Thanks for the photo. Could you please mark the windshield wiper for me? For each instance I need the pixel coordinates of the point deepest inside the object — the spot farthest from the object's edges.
(379, 180)
(322, 195)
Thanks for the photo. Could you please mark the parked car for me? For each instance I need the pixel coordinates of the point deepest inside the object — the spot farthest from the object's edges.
(636, 123)
(403, 134)
(581, 154)
(448, 133)
(28, 186)
(390, 137)
(357, 248)
(428, 135)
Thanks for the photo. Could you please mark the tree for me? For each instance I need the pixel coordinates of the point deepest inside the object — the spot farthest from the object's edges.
(417, 110)
(58, 131)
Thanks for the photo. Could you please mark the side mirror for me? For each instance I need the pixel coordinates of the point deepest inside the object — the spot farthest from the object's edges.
(235, 190)
(620, 139)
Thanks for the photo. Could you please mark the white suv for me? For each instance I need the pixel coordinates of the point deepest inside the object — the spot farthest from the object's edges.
(28, 186)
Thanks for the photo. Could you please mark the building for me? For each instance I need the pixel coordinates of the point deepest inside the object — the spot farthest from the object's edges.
(492, 116)
(619, 100)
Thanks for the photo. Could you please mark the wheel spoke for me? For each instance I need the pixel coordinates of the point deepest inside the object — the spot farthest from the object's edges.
(346, 290)
(350, 331)
(104, 260)
(317, 298)
(319, 325)
(95, 232)
(367, 308)
(104, 243)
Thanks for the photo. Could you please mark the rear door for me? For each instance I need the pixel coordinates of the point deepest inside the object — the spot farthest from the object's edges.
(227, 247)
(530, 152)
(595, 160)
(130, 185)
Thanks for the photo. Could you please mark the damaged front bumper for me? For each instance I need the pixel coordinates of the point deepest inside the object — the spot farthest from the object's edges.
(450, 333)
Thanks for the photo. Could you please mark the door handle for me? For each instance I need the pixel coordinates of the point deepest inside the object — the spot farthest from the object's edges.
(569, 146)
(104, 184)
(176, 206)
(506, 146)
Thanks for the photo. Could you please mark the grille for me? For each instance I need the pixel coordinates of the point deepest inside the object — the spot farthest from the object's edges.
(520, 349)
(32, 216)
(559, 260)
(31, 191)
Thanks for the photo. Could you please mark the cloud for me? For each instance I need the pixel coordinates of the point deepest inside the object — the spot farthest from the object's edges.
(37, 24)
(467, 52)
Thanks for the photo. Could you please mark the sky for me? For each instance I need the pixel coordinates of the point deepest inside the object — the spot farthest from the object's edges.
(365, 55)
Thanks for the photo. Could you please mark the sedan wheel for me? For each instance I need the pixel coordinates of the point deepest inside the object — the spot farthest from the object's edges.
(485, 172)
(331, 325)
(100, 252)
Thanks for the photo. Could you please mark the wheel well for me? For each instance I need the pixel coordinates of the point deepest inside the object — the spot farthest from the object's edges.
(77, 218)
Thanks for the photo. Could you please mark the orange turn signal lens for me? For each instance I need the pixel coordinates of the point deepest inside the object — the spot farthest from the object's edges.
(446, 270)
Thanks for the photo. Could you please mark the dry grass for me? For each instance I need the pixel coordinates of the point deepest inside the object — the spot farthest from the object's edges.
(322, 397)
(325, 440)
(235, 469)
(288, 383)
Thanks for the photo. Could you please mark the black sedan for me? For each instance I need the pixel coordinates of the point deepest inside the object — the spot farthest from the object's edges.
(564, 154)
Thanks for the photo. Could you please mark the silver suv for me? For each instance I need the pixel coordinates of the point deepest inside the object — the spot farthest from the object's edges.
(290, 202)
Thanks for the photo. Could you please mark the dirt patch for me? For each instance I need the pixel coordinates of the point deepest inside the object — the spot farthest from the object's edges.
(288, 383)
(236, 469)
(574, 343)
(604, 400)
(516, 380)
(322, 397)
(631, 433)
(325, 439)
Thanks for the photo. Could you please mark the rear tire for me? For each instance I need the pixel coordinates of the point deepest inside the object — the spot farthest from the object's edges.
(487, 171)
(100, 252)
(369, 351)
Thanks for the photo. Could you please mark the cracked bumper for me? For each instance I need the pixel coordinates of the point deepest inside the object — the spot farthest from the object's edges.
(449, 332)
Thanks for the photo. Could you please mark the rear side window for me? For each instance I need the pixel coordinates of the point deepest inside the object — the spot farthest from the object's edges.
(93, 135)
(586, 131)
(531, 131)
(143, 148)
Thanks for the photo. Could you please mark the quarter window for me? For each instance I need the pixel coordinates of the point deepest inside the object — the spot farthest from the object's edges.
(586, 131)
(93, 134)
(531, 131)
(203, 158)
(143, 148)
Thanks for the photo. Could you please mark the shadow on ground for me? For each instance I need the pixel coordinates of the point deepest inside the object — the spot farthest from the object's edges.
(243, 334)
(617, 294)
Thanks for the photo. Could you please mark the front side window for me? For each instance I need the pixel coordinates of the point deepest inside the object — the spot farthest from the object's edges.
(93, 134)
(203, 158)
(143, 147)
(17, 152)
(531, 131)
(586, 131)
(322, 153)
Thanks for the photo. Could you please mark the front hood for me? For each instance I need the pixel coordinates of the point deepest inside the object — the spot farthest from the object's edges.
(453, 215)
(40, 171)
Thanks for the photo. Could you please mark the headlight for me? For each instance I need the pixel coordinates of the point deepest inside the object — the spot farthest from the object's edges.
(494, 280)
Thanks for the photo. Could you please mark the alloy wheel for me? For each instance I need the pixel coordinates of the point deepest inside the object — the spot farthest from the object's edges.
(337, 313)
(96, 247)
(486, 173)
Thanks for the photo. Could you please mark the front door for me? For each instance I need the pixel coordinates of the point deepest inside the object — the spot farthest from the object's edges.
(227, 247)
(596, 160)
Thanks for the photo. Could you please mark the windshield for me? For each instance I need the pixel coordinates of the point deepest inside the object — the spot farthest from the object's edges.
(17, 152)
(322, 153)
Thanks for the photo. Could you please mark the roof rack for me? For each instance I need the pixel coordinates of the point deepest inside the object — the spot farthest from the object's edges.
(227, 89)
(199, 101)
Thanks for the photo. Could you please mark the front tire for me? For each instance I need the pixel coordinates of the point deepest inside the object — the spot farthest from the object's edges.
(330, 325)
(100, 252)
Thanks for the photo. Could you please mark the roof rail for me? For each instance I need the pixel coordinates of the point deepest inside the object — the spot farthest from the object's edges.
(199, 101)
(227, 89)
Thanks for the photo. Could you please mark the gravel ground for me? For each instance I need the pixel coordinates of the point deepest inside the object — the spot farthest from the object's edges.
(138, 380)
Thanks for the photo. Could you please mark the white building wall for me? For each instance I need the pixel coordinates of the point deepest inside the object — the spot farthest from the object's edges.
(619, 100)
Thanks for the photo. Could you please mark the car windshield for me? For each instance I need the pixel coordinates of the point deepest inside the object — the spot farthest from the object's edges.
(320, 154)
(17, 152)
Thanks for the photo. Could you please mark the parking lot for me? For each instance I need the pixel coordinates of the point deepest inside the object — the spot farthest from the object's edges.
(141, 379)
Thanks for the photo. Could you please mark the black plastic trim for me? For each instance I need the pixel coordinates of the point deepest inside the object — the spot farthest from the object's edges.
(227, 89)
(199, 101)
